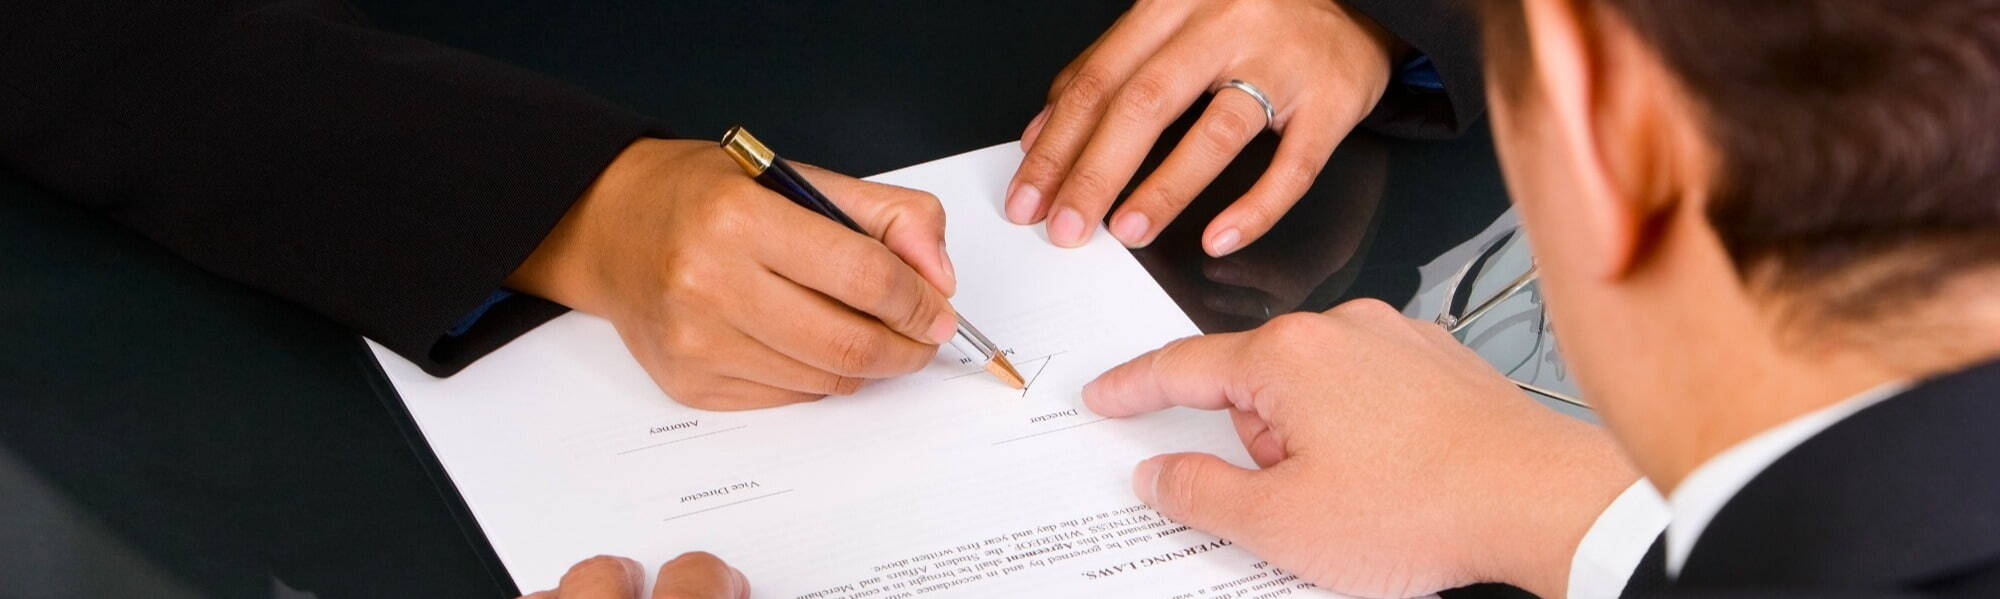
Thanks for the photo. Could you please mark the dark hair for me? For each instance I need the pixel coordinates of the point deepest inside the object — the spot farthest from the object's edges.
(1850, 132)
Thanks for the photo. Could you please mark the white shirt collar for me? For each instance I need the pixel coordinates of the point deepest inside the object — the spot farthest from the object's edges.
(1710, 486)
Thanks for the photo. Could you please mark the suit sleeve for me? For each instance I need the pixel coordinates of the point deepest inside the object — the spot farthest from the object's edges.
(1448, 32)
(383, 181)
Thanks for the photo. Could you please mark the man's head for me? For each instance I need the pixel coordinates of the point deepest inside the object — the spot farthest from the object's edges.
(1740, 195)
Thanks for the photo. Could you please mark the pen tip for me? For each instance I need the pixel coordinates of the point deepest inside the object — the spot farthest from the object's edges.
(1003, 369)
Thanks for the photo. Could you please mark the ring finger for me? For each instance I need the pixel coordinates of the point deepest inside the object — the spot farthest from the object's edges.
(752, 360)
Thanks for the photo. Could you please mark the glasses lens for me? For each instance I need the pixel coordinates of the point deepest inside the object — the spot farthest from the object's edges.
(1514, 334)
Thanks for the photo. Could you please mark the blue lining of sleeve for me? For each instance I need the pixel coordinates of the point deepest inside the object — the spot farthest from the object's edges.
(465, 324)
(1420, 73)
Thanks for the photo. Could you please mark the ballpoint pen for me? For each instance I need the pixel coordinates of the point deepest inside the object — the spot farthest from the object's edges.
(773, 172)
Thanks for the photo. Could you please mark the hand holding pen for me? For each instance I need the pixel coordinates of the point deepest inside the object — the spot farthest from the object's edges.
(773, 172)
(733, 298)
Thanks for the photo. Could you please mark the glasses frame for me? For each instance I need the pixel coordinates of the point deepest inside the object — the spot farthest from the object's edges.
(1461, 283)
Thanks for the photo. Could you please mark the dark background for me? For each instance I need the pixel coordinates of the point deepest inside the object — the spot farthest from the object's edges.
(166, 433)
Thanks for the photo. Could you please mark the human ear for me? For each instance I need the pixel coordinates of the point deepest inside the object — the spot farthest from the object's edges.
(1573, 72)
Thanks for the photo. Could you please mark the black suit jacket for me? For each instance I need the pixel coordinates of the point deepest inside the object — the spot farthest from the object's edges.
(386, 182)
(1900, 499)
(1448, 32)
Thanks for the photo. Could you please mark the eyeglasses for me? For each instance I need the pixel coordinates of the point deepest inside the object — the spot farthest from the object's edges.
(1495, 307)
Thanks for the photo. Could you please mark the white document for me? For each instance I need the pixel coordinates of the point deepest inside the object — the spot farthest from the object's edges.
(943, 483)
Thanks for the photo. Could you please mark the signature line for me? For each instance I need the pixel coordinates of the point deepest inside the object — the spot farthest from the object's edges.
(683, 439)
(1053, 430)
(726, 505)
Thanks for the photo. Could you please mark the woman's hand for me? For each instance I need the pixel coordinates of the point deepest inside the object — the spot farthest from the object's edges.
(1322, 66)
(731, 296)
(1394, 461)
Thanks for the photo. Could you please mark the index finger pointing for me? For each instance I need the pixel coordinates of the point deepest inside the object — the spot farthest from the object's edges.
(1196, 372)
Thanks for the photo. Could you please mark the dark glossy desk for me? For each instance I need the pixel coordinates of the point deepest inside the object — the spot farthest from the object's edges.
(165, 433)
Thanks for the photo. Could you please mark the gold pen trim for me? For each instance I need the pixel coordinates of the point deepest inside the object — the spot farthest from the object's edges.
(748, 153)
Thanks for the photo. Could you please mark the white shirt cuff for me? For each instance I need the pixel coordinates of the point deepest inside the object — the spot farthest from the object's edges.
(1612, 548)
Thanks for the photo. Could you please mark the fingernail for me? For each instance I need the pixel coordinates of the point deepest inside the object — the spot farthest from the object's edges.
(1091, 392)
(742, 582)
(1146, 480)
(1022, 203)
(1223, 272)
(1131, 227)
(942, 330)
(950, 272)
(1224, 243)
(1066, 229)
(634, 571)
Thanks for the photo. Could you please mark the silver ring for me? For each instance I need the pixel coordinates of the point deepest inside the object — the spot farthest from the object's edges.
(1270, 115)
